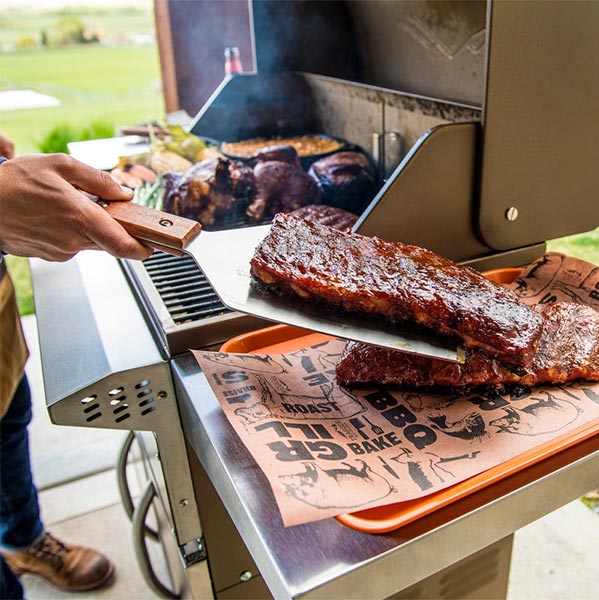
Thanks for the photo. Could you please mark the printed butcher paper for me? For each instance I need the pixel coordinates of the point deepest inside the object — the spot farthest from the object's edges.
(327, 450)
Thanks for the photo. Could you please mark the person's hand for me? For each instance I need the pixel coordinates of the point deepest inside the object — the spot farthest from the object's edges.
(44, 212)
(7, 148)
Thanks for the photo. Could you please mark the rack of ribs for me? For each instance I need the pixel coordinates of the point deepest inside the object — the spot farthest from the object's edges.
(397, 282)
(568, 350)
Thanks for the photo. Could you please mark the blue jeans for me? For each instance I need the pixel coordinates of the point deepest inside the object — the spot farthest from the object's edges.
(20, 522)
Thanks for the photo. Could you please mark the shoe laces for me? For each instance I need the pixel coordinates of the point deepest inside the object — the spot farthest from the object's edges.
(48, 548)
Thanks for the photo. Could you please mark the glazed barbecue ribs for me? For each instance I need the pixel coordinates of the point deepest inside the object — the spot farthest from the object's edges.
(568, 350)
(396, 282)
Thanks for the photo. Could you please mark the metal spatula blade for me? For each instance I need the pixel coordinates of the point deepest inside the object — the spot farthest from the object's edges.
(224, 257)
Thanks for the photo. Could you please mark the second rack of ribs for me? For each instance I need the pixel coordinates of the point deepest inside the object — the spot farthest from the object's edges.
(568, 350)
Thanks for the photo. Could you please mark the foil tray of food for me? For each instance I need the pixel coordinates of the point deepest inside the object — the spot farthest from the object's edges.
(309, 147)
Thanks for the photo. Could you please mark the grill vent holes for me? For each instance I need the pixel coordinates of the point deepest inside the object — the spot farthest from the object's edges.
(115, 402)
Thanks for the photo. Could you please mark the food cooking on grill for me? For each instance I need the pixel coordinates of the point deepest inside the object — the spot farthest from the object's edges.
(346, 179)
(397, 282)
(174, 139)
(218, 191)
(281, 185)
(331, 216)
(171, 149)
(196, 181)
(133, 175)
(166, 160)
(287, 154)
(568, 350)
(304, 145)
(210, 191)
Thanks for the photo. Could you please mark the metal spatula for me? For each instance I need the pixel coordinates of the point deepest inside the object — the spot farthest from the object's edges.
(224, 257)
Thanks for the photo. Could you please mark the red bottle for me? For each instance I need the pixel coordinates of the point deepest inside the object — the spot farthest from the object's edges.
(232, 61)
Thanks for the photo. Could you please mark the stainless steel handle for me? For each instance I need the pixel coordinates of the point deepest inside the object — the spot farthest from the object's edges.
(123, 483)
(139, 543)
(393, 144)
(377, 152)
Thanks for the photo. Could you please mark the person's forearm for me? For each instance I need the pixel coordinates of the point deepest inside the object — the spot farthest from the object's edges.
(44, 213)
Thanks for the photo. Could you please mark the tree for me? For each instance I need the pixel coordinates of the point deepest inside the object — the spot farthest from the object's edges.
(26, 42)
(70, 31)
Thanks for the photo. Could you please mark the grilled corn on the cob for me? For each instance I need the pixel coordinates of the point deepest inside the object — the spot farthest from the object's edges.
(165, 160)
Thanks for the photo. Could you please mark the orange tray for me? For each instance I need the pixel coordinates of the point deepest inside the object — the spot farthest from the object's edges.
(284, 338)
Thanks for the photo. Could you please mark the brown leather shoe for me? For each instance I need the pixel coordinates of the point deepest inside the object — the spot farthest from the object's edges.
(71, 568)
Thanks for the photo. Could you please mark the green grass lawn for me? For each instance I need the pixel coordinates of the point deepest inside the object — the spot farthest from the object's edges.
(118, 85)
(113, 23)
(583, 245)
(110, 84)
(19, 271)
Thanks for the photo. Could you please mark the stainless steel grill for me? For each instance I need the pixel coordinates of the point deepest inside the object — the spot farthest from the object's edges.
(452, 170)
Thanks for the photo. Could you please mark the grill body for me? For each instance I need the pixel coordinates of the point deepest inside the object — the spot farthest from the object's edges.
(130, 369)
(223, 517)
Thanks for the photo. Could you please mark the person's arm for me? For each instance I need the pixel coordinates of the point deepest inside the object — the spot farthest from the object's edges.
(44, 212)
(7, 148)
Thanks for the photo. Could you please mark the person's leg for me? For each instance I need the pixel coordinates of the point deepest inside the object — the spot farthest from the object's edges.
(25, 546)
(10, 587)
(20, 522)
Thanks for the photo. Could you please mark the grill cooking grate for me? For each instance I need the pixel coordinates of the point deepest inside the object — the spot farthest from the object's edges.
(183, 288)
(180, 306)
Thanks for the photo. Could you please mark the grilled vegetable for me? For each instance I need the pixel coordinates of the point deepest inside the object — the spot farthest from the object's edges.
(166, 160)
(124, 178)
(145, 174)
(150, 194)
(175, 139)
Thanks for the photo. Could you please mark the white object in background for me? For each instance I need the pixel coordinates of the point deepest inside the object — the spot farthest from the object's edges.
(22, 99)
(104, 154)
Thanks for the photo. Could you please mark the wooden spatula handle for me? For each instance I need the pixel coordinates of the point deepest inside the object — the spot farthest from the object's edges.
(154, 228)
